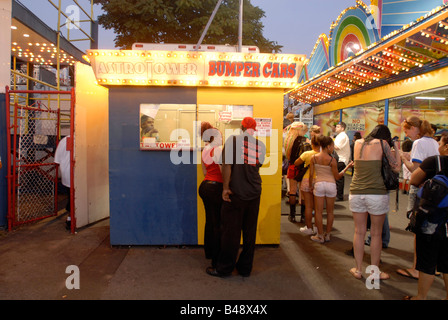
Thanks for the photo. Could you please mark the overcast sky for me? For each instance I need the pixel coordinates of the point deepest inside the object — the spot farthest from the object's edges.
(294, 24)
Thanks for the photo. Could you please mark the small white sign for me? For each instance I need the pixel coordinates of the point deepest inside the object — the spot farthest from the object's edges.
(264, 127)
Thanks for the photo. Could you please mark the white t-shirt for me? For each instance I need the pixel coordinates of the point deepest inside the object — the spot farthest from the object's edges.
(62, 156)
(343, 143)
(423, 148)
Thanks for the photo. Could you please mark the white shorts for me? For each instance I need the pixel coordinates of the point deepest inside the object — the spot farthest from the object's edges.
(325, 189)
(376, 204)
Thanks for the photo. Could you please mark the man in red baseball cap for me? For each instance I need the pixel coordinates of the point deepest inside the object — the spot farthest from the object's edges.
(242, 157)
(249, 123)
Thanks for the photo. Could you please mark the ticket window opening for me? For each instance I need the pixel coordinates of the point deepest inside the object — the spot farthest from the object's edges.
(224, 117)
(167, 126)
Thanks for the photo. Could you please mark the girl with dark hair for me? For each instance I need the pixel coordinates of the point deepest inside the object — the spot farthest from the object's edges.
(322, 180)
(368, 195)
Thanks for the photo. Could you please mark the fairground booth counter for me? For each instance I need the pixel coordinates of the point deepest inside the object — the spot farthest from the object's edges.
(157, 99)
(379, 65)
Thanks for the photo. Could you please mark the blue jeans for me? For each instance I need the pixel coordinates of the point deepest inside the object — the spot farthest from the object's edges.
(385, 235)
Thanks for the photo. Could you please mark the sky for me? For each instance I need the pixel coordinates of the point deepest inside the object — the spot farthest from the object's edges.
(294, 24)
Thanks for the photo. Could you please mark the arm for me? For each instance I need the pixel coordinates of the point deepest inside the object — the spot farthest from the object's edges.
(217, 156)
(412, 166)
(226, 172)
(334, 168)
(418, 177)
(311, 179)
(204, 171)
(427, 170)
(393, 157)
(298, 162)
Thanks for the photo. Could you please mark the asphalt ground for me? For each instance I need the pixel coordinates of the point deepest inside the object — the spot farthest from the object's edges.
(35, 264)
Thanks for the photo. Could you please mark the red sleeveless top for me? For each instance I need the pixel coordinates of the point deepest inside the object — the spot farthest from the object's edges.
(213, 172)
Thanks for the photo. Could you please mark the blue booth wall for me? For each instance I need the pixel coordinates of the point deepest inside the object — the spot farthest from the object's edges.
(4, 156)
(152, 201)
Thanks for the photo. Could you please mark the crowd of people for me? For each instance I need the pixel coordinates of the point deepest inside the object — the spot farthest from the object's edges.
(313, 166)
(368, 197)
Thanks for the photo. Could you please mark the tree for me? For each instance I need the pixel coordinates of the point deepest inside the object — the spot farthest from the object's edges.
(183, 21)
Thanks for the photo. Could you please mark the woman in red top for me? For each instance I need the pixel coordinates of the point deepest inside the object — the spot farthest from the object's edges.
(210, 189)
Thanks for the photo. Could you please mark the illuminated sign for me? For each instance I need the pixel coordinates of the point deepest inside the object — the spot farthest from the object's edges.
(180, 68)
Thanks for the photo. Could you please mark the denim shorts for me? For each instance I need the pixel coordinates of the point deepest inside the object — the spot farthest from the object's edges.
(376, 204)
(325, 189)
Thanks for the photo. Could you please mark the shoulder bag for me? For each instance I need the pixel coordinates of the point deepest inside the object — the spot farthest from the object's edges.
(390, 177)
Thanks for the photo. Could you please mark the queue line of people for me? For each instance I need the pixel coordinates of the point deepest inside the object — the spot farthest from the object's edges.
(368, 197)
(369, 200)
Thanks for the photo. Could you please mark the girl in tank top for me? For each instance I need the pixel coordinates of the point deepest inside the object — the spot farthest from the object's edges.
(324, 186)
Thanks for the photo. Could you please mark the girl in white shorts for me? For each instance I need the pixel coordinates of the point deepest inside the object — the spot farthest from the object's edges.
(368, 195)
(325, 169)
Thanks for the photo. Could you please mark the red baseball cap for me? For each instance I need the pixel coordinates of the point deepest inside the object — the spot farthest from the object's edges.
(249, 123)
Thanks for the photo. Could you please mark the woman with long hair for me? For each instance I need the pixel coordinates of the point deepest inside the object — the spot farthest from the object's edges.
(322, 180)
(368, 195)
(424, 146)
(306, 191)
(295, 137)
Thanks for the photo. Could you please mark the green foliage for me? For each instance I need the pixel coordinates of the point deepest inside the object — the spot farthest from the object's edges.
(183, 21)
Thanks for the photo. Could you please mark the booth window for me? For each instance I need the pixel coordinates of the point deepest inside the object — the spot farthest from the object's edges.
(226, 118)
(171, 126)
(167, 126)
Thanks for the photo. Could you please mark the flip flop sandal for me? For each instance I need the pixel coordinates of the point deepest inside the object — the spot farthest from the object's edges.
(356, 273)
(384, 276)
(406, 273)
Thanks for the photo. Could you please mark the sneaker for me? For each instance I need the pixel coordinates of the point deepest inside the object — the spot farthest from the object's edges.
(308, 231)
(327, 237)
(318, 238)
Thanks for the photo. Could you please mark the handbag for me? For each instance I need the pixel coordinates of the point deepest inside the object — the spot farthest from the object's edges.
(301, 170)
(390, 177)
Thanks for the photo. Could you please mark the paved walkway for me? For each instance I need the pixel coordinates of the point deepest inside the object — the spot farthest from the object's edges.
(34, 259)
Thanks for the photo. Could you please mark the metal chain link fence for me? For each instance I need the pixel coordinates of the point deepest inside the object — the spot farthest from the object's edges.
(36, 139)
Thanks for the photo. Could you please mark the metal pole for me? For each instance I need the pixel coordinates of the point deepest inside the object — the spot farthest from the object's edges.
(240, 28)
(8, 158)
(208, 25)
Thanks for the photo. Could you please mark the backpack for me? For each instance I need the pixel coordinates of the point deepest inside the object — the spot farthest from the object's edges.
(301, 170)
(430, 213)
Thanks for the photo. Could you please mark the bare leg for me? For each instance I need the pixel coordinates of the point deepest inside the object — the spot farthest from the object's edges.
(424, 284)
(318, 210)
(376, 230)
(309, 206)
(330, 214)
(360, 219)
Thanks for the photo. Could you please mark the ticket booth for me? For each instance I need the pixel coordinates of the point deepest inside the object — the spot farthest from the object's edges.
(157, 100)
